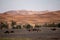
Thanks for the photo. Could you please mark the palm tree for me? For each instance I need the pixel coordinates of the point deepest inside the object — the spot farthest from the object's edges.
(13, 24)
(27, 26)
(4, 25)
(51, 25)
(58, 24)
(18, 27)
(37, 26)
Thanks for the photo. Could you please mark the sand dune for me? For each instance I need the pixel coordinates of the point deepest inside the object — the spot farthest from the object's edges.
(32, 17)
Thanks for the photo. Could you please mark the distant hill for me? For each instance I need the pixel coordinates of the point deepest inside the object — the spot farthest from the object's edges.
(32, 17)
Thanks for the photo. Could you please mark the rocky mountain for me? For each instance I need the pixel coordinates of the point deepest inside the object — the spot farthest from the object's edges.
(32, 17)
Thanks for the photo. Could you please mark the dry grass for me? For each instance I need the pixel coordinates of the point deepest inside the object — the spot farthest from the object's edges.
(15, 39)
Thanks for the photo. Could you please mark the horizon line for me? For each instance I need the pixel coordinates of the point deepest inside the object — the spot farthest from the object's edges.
(26, 10)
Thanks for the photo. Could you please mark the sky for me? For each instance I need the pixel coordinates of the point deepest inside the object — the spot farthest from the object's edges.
(41, 5)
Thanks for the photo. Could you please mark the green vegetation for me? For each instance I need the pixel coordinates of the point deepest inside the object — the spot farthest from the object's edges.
(50, 25)
(58, 25)
(18, 27)
(15, 38)
(14, 25)
(27, 26)
(3, 25)
(37, 26)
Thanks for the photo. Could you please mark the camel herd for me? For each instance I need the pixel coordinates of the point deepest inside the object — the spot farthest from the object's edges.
(29, 30)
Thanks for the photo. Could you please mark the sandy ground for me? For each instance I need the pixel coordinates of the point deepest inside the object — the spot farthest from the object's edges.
(45, 33)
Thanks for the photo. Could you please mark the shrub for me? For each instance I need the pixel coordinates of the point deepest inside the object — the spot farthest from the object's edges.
(18, 27)
(37, 26)
(13, 24)
(58, 24)
(4, 25)
(27, 26)
(50, 25)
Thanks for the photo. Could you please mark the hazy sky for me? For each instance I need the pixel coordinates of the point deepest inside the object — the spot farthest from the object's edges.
(6, 5)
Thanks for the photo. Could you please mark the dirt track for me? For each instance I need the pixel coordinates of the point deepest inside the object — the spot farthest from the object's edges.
(45, 34)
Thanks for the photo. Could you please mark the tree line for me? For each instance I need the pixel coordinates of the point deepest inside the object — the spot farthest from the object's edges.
(26, 26)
